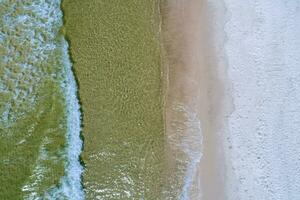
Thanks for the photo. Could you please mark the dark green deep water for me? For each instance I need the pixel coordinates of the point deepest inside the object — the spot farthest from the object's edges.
(115, 50)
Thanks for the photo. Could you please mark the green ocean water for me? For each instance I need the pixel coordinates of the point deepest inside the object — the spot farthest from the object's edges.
(115, 50)
(116, 54)
(32, 104)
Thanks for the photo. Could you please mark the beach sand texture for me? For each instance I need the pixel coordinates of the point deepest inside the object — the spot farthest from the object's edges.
(194, 96)
(230, 66)
(180, 99)
(262, 49)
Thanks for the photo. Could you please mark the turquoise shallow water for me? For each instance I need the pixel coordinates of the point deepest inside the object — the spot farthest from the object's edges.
(39, 111)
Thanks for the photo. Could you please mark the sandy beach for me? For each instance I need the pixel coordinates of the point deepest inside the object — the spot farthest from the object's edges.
(263, 54)
(154, 100)
(232, 96)
(195, 100)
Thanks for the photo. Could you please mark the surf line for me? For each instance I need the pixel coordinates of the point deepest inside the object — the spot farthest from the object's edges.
(192, 146)
(71, 185)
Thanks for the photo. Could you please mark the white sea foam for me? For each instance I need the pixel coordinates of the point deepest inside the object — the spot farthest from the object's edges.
(192, 146)
(71, 183)
(188, 139)
(38, 173)
(29, 40)
(70, 186)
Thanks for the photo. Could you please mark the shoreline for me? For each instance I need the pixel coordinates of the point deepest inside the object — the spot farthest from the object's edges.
(193, 97)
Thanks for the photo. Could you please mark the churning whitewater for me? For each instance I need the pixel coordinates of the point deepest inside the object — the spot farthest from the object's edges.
(40, 120)
(192, 146)
(71, 184)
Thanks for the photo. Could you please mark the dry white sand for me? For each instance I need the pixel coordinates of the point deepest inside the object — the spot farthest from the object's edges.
(263, 52)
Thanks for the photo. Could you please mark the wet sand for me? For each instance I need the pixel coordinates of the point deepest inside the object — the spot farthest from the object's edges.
(196, 104)
(251, 151)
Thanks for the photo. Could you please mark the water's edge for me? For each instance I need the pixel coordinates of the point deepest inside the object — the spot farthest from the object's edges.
(197, 97)
(71, 184)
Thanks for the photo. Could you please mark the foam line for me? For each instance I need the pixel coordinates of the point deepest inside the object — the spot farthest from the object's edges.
(71, 184)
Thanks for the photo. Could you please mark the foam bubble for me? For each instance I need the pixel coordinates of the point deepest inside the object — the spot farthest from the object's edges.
(71, 183)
